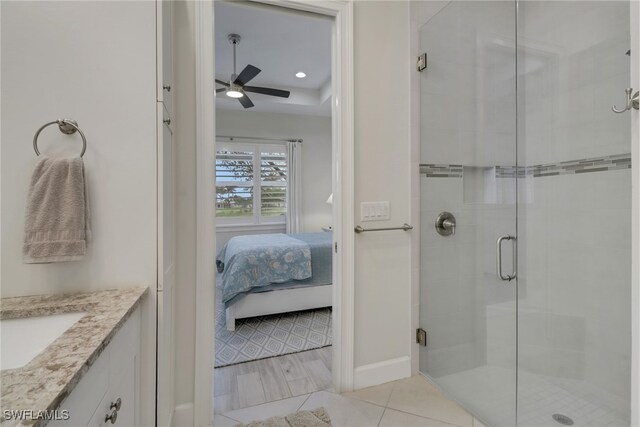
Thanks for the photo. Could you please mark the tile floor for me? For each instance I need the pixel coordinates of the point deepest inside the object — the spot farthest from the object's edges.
(539, 397)
(411, 402)
(276, 378)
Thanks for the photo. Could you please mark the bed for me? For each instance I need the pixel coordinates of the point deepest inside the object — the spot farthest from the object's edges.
(275, 273)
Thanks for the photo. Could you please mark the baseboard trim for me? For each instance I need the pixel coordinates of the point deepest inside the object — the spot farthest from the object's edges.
(182, 415)
(382, 372)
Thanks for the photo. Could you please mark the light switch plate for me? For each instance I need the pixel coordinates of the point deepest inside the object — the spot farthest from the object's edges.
(374, 211)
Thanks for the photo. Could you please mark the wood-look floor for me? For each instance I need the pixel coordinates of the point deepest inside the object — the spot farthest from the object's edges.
(267, 380)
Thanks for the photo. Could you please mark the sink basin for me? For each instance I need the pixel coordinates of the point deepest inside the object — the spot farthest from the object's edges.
(23, 339)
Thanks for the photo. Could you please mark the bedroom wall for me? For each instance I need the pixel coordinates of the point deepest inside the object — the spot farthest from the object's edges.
(316, 163)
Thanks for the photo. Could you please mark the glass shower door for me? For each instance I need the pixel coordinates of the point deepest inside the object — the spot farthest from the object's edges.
(521, 154)
(574, 275)
(468, 169)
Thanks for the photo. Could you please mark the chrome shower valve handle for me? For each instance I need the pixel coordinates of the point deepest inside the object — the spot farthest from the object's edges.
(446, 224)
(632, 102)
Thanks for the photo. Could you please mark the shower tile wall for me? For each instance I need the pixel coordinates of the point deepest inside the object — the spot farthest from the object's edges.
(468, 88)
(572, 67)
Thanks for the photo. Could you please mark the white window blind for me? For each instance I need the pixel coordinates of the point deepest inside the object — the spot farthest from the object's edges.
(245, 197)
(273, 183)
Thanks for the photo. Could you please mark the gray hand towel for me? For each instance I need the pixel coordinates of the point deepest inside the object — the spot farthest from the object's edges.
(57, 214)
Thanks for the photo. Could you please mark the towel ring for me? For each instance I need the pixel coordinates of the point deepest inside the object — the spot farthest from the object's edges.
(66, 126)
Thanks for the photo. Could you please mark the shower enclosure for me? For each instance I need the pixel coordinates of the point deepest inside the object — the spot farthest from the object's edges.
(526, 291)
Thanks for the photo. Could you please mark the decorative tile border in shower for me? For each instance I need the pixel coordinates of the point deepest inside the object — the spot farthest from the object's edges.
(441, 171)
(595, 164)
(510, 171)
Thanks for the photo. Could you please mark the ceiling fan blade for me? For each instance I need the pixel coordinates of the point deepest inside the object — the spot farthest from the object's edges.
(220, 82)
(246, 75)
(221, 90)
(245, 101)
(267, 91)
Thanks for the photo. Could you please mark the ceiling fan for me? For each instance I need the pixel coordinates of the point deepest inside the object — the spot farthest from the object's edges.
(237, 85)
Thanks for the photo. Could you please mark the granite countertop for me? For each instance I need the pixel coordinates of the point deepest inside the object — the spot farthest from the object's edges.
(44, 382)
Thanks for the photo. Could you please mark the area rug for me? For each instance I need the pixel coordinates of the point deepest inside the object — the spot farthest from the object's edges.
(318, 417)
(267, 336)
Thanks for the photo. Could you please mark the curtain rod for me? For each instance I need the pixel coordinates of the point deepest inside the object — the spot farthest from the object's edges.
(231, 138)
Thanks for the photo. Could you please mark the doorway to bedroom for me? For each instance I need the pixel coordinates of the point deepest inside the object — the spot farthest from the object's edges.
(274, 222)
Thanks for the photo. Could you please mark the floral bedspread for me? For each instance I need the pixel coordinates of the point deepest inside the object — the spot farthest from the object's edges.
(260, 260)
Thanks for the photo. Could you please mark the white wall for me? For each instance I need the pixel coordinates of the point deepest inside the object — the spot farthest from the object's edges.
(94, 62)
(382, 172)
(316, 160)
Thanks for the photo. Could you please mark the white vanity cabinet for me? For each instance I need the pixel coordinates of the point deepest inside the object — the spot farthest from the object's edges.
(114, 375)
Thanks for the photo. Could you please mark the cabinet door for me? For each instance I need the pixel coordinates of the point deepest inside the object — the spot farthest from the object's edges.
(124, 377)
(125, 390)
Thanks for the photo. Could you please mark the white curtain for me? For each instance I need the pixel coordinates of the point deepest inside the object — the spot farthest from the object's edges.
(294, 184)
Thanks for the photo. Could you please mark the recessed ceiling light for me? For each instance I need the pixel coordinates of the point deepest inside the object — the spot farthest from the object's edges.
(301, 75)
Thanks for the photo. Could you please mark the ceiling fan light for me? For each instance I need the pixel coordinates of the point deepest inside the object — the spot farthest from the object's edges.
(231, 93)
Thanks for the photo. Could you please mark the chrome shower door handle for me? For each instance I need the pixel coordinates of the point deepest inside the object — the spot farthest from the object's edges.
(508, 277)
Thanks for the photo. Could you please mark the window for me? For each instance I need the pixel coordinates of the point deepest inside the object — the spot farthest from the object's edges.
(251, 183)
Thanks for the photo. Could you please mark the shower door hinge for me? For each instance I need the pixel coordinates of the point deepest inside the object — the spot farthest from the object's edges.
(422, 62)
(421, 337)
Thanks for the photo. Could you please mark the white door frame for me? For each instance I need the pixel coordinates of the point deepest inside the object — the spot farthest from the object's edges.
(635, 219)
(343, 196)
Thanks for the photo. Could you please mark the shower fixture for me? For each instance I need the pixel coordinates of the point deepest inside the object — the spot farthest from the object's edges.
(632, 102)
(446, 224)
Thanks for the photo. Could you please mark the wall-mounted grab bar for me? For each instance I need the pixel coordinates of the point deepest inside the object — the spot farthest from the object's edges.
(404, 227)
